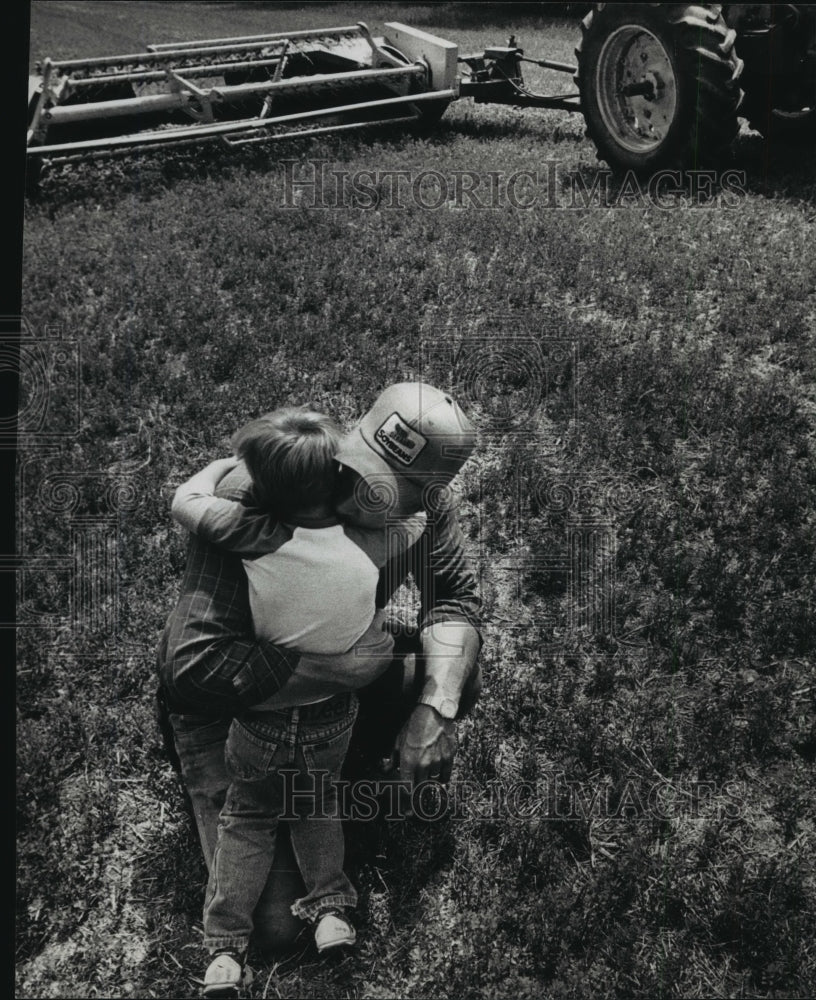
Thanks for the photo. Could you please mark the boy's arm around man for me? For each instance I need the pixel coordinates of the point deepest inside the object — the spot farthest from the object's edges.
(209, 662)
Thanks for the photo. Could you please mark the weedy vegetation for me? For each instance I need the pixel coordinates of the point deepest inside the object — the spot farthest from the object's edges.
(639, 372)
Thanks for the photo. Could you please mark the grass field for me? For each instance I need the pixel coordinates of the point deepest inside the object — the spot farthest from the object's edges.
(642, 377)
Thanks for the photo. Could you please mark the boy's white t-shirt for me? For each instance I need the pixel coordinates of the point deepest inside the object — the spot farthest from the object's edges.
(312, 587)
(315, 592)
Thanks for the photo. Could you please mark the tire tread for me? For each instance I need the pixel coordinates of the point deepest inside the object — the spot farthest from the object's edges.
(706, 56)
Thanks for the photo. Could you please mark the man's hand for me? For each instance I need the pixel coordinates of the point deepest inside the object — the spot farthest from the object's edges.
(426, 746)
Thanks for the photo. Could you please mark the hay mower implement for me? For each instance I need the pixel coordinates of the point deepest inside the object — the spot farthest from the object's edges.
(239, 90)
(659, 85)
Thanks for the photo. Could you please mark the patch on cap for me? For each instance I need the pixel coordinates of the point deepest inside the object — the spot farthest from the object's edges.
(400, 440)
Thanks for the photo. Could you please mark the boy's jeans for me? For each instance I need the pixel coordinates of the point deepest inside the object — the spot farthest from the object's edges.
(280, 764)
(197, 742)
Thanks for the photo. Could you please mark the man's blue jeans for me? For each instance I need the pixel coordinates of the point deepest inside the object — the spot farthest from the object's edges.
(280, 764)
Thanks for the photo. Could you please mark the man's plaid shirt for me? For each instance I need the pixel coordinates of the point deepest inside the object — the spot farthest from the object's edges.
(209, 662)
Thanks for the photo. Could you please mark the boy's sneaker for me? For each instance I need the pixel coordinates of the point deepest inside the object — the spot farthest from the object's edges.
(333, 931)
(225, 976)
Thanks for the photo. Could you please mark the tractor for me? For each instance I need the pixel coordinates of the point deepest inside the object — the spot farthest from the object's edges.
(660, 86)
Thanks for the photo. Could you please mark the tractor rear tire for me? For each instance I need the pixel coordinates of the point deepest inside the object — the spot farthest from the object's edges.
(679, 60)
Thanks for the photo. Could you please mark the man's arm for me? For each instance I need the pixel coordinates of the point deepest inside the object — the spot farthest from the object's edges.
(448, 587)
(321, 674)
(450, 642)
(209, 662)
(450, 607)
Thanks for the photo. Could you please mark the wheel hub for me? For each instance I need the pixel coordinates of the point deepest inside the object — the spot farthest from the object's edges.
(637, 93)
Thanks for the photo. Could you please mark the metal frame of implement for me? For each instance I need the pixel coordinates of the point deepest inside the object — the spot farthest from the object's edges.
(258, 88)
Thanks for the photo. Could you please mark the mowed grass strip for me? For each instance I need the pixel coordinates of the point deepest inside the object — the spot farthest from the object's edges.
(659, 839)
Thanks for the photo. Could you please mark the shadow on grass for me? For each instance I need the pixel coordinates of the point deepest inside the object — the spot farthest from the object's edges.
(406, 853)
(784, 171)
(778, 168)
(552, 127)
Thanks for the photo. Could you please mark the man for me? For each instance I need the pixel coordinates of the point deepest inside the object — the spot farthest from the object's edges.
(398, 460)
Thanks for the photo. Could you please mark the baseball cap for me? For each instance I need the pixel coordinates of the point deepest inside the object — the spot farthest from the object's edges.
(410, 444)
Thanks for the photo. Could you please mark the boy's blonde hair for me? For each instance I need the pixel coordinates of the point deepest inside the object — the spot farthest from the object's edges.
(290, 455)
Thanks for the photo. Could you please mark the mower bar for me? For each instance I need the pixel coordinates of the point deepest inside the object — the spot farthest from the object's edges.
(329, 79)
(199, 132)
(165, 102)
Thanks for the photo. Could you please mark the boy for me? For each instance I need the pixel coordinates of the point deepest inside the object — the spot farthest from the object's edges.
(312, 583)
